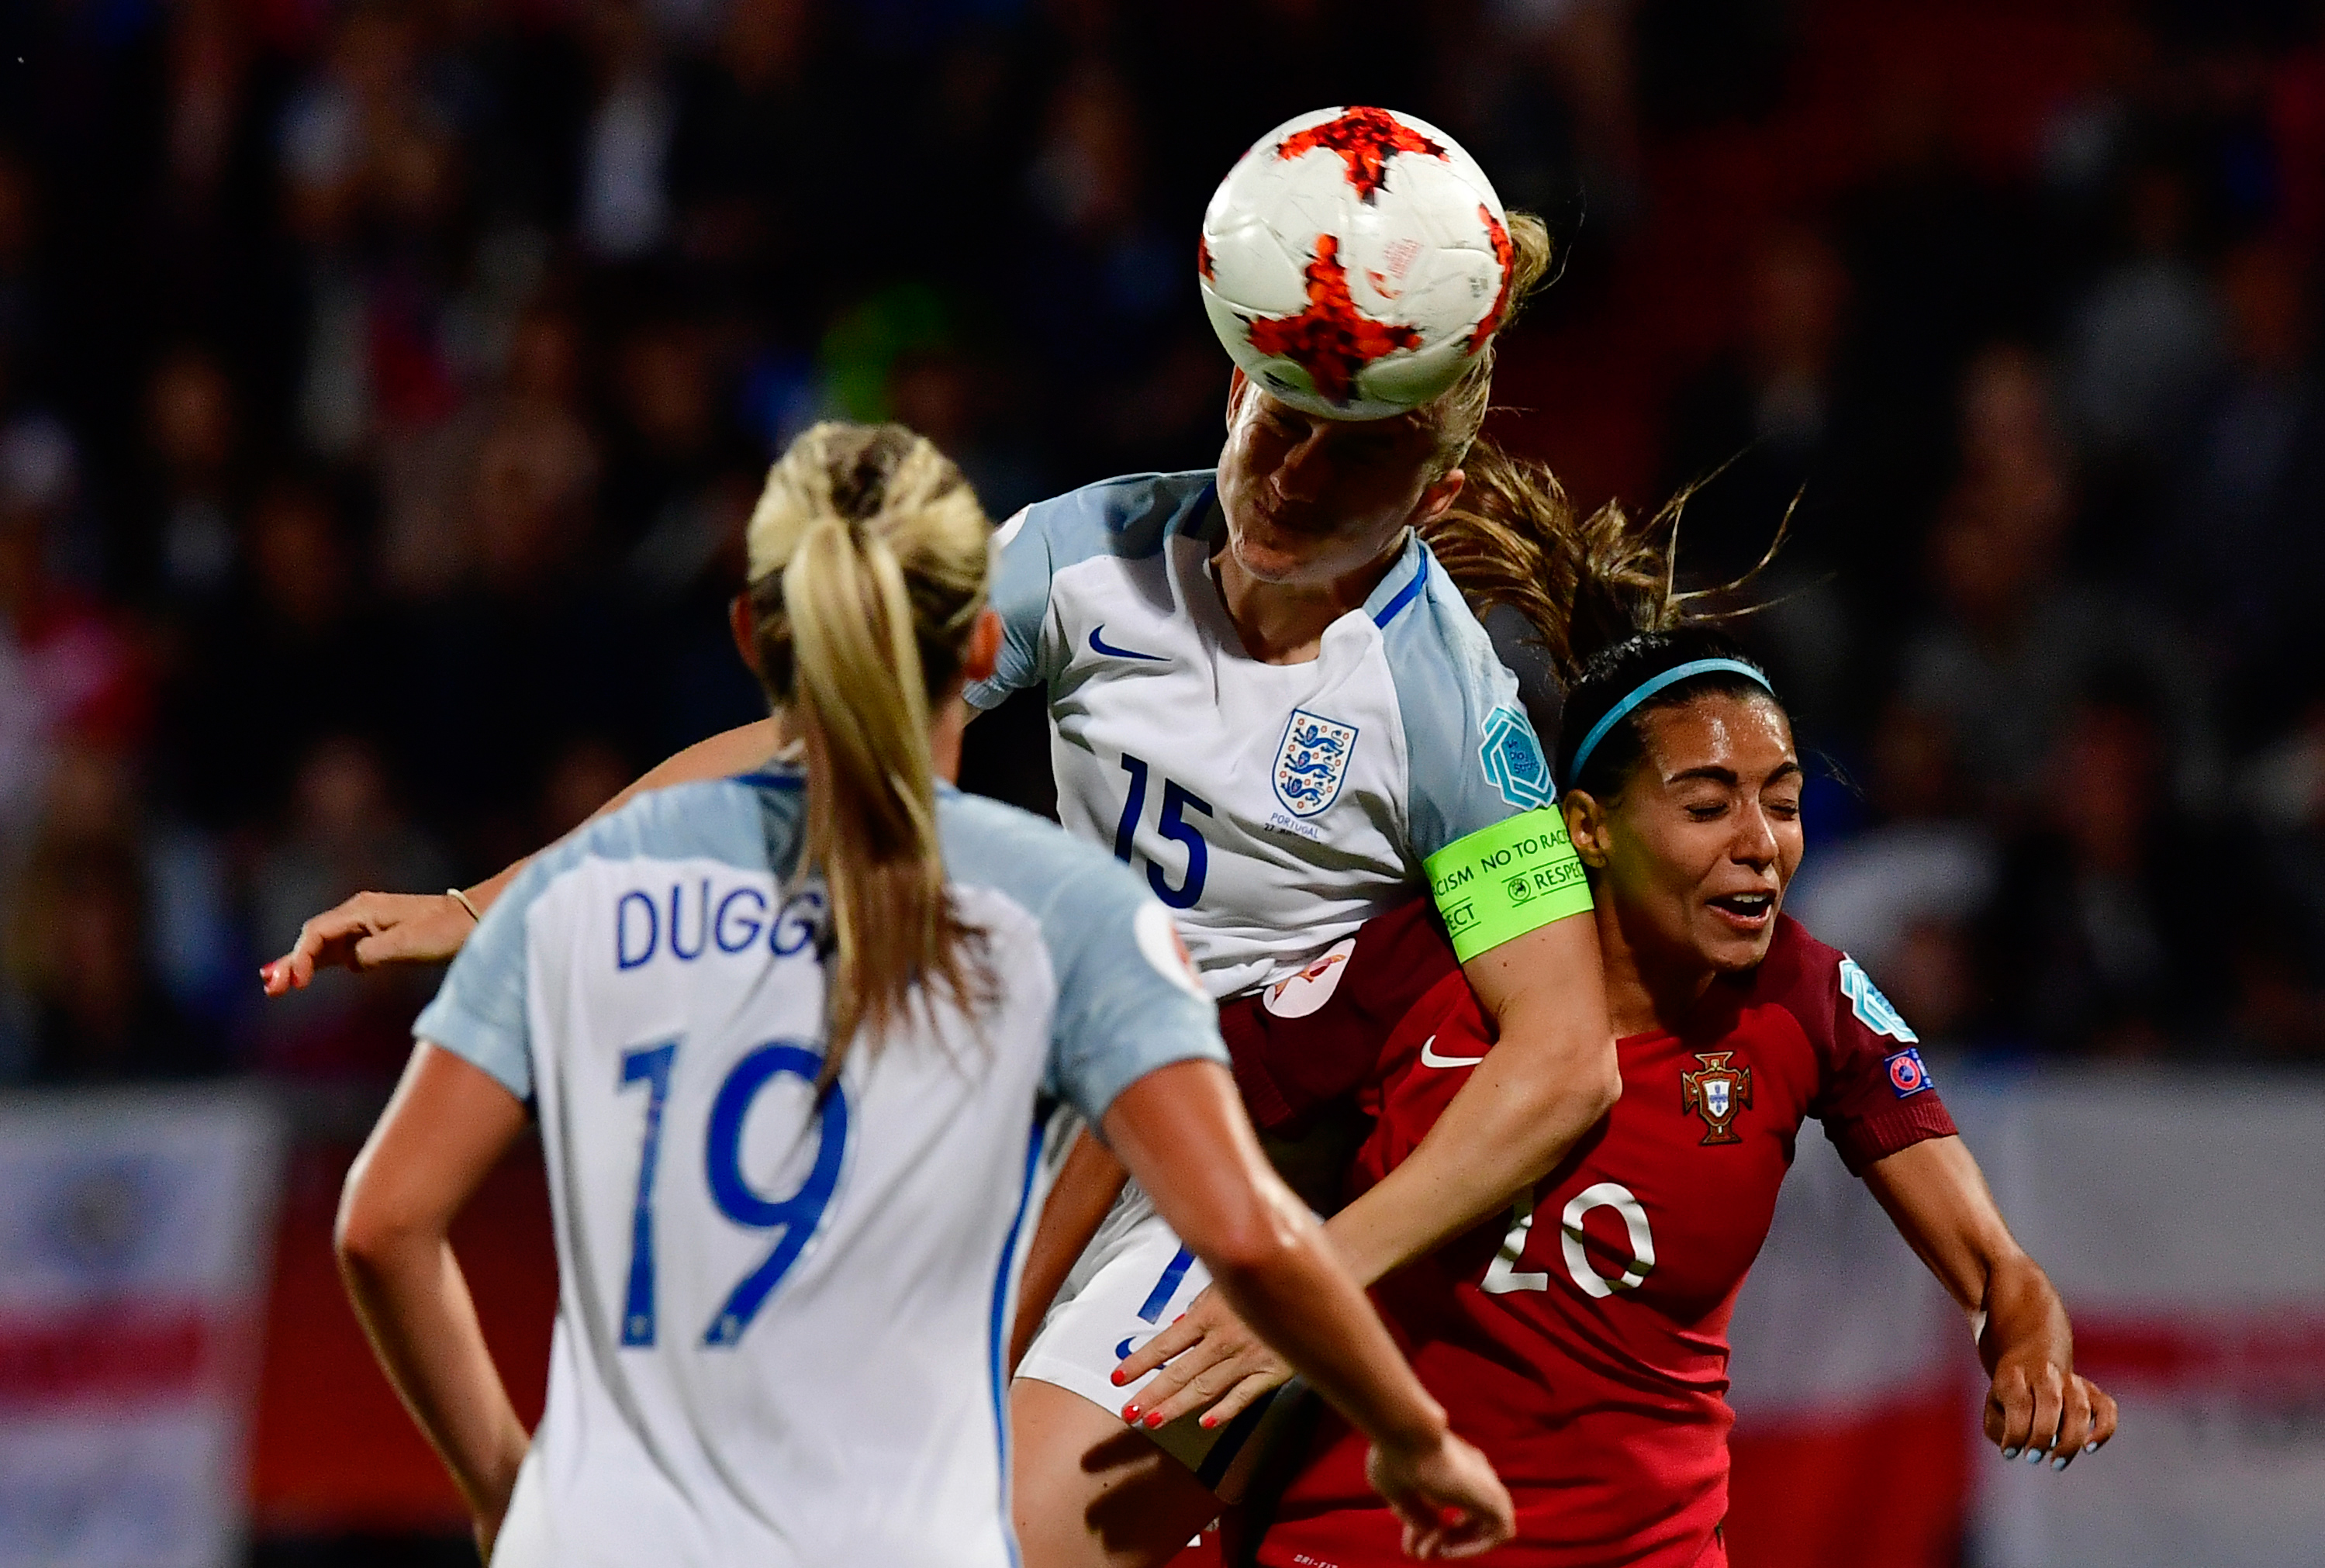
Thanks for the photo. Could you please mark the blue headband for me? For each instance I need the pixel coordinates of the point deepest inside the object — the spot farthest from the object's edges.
(1648, 688)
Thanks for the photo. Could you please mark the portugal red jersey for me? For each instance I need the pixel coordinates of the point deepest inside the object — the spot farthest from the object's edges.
(1580, 1339)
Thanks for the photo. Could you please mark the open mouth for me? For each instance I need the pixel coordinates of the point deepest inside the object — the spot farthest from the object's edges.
(1749, 911)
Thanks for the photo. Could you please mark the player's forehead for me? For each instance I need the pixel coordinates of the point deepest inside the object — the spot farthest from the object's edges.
(1746, 733)
(1414, 426)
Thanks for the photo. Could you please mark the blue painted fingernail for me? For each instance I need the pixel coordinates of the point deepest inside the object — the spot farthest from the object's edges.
(2010, 1453)
(2060, 1463)
(2034, 1455)
(2092, 1447)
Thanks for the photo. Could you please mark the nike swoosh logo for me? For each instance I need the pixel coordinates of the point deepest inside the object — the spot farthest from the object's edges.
(1100, 645)
(1430, 1058)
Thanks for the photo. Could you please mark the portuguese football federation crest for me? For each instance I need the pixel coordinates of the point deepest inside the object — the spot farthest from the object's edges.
(1715, 1092)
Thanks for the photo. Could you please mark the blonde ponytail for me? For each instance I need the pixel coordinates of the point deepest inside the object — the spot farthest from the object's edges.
(868, 561)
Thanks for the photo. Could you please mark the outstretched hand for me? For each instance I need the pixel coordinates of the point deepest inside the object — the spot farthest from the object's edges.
(1216, 1364)
(370, 930)
(1448, 1498)
(2040, 1407)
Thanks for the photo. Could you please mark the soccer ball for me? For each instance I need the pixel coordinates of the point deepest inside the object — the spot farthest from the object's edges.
(1355, 262)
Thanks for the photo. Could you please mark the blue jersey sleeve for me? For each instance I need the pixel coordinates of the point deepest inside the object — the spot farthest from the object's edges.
(479, 1012)
(1022, 570)
(1128, 1001)
(1127, 517)
(1472, 758)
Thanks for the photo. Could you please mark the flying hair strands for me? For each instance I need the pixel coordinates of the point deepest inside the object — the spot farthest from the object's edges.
(1583, 583)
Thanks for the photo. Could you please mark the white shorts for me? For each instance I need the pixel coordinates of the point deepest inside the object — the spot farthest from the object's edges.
(1127, 1286)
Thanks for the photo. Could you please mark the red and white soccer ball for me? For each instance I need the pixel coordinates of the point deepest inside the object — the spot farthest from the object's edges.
(1356, 262)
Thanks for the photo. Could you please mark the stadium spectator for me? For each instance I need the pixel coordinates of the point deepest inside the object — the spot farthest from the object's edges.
(2091, 945)
(2244, 542)
(260, 671)
(2150, 330)
(88, 1001)
(748, 173)
(343, 824)
(1767, 429)
(625, 213)
(2280, 952)
(82, 669)
(189, 484)
(2018, 635)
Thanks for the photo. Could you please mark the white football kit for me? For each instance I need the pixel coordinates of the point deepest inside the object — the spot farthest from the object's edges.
(1275, 807)
(780, 1321)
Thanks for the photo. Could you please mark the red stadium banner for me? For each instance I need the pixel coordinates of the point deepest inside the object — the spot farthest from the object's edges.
(2183, 1219)
(135, 1231)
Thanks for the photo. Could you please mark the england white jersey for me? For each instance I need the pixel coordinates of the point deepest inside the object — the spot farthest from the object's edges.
(1275, 807)
(781, 1322)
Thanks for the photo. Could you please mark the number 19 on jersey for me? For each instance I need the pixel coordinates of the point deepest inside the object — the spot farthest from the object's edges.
(796, 1216)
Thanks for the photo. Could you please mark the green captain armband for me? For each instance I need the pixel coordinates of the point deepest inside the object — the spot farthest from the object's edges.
(1504, 881)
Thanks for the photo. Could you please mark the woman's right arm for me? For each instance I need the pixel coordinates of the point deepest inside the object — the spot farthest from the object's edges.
(2037, 1402)
(1182, 1131)
(448, 1124)
(372, 929)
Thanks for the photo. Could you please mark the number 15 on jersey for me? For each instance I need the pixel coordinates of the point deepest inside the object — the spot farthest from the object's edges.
(1172, 824)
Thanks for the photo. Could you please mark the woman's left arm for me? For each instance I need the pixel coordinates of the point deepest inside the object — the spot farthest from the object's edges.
(2037, 1404)
(1550, 1075)
(448, 1124)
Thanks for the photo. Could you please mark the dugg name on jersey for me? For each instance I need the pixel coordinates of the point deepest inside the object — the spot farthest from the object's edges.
(730, 920)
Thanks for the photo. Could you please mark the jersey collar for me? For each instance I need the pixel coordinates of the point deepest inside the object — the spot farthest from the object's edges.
(1394, 593)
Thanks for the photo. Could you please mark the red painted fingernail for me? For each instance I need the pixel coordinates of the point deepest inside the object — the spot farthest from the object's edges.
(1155, 1418)
(1119, 1379)
(1130, 1413)
(1209, 1421)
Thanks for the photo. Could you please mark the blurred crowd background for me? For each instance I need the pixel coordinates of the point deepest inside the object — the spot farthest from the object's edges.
(383, 383)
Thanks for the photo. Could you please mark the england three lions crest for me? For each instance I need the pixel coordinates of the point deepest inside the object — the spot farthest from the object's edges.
(1311, 761)
(1715, 1092)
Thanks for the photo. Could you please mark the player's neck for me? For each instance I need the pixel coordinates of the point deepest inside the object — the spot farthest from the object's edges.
(1283, 623)
(947, 727)
(1645, 995)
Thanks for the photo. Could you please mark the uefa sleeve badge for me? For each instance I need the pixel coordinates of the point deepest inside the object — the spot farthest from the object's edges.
(1907, 1076)
(1513, 760)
